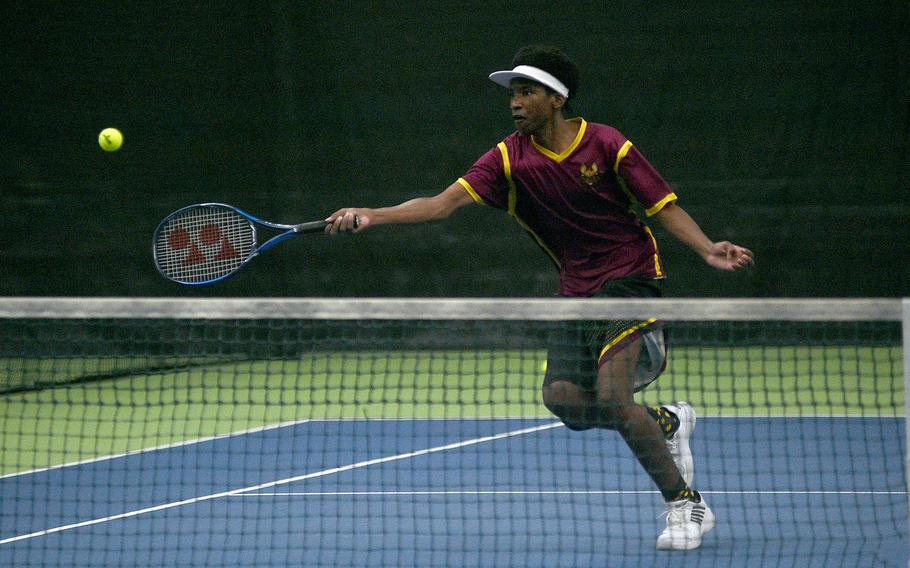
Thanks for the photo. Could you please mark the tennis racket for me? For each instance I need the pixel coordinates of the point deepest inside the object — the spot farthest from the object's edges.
(209, 242)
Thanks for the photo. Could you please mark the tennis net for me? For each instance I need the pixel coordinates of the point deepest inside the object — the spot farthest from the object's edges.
(371, 432)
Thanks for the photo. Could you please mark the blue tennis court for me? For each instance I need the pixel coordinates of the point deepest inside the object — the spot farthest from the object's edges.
(787, 491)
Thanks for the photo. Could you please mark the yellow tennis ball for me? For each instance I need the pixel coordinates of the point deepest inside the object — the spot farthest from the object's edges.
(110, 139)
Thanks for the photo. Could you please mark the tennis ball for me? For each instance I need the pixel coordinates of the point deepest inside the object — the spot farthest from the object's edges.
(110, 139)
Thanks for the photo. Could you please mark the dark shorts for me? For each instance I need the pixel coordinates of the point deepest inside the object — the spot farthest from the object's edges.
(577, 349)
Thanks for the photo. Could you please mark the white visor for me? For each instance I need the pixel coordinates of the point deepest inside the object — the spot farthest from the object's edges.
(504, 78)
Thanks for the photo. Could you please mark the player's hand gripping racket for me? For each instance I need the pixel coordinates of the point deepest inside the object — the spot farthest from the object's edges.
(207, 243)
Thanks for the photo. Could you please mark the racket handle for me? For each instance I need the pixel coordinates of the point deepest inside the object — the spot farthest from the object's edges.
(311, 227)
(315, 226)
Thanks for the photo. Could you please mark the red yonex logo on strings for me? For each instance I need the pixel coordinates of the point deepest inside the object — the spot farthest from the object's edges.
(208, 240)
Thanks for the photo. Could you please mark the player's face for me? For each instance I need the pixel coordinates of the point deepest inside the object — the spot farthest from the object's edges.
(531, 105)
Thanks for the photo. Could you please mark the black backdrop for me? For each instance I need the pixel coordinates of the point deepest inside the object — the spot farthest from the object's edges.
(783, 126)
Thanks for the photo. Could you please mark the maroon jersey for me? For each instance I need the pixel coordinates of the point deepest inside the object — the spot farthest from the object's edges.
(578, 204)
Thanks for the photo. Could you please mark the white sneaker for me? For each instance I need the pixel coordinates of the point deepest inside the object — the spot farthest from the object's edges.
(687, 522)
(678, 445)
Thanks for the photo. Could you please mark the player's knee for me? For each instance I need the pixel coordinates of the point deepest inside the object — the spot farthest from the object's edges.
(559, 401)
(556, 395)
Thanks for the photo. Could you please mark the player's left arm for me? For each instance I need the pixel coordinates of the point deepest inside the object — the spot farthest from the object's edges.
(648, 187)
(722, 255)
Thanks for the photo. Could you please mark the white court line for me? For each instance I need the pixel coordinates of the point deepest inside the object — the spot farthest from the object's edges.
(544, 492)
(253, 430)
(323, 473)
(172, 445)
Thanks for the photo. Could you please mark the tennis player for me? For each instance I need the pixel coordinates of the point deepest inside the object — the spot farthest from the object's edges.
(572, 185)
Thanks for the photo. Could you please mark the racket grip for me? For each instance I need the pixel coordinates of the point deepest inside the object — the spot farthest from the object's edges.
(315, 226)
(311, 227)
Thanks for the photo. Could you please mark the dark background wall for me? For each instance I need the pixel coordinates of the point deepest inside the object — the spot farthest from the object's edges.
(783, 126)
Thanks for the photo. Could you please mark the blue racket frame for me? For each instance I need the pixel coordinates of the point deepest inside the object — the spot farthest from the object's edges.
(289, 231)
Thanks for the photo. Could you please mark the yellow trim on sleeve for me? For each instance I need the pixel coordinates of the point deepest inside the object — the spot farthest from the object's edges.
(660, 204)
(624, 335)
(621, 154)
(467, 186)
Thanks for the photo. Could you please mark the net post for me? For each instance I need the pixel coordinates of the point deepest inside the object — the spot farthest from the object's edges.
(905, 333)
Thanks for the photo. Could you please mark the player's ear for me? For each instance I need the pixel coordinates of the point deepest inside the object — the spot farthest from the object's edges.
(559, 101)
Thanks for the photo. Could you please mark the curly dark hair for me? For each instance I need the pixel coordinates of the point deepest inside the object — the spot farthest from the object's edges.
(552, 60)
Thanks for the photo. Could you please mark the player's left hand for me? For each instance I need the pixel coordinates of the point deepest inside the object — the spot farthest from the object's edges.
(729, 257)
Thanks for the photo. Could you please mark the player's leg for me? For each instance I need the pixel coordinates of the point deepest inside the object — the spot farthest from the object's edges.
(688, 517)
(584, 397)
(568, 387)
(570, 403)
(608, 403)
(676, 420)
(618, 411)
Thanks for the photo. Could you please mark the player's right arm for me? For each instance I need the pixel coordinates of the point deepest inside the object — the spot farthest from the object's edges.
(416, 210)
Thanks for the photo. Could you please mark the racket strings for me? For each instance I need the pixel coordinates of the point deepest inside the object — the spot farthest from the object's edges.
(204, 244)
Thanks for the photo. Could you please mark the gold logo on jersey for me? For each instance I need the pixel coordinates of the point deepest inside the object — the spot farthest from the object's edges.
(590, 174)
